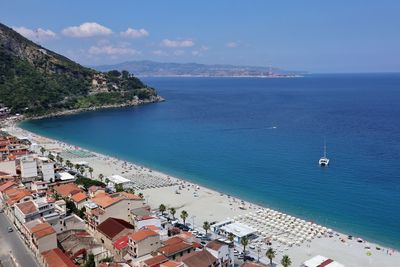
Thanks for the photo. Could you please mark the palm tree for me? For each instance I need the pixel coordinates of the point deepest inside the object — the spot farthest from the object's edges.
(270, 255)
(231, 237)
(101, 177)
(184, 216)
(91, 172)
(286, 261)
(206, 226)
(244, 241)
(141, 195)
(172, 211)
(68, 163)
(81, 170)
(77, 167)
(61, 160)
(162, 208)
(107, 181)
(51, 157)
(42, 150)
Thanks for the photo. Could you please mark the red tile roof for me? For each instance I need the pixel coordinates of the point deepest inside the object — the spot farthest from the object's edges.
(121, 242)
(173, 249)
(57, 258)
(7, 185)
(201, 258)
(42, 229)
(79, 197)
(113, 226)
(142, 234)
(105, 200)
(156, 260)
(67, 189)
(27, 207)
(171, 263)
(215, 245)
(16, 194)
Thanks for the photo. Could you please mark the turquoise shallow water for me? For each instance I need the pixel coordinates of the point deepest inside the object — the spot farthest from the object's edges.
(261, 139)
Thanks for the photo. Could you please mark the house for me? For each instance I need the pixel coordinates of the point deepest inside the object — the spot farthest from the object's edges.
(142, 221)
(120, 247)
(143, 242)
(201, 258)
(67, 190)
(64, 176)
(40, 236)
(25, 212)
(221, 251)
(56, 258)
(79, 199)
(28, 168)
(118, 205)
(117, 180)
(176, 247)
(8, 166)
(239, 230)
(171, 263)
(112, 229)
(94, 190)
(15, 196)
(321, 261)
(39, 186)
(46, 168)
(155, 261)
(5, 186)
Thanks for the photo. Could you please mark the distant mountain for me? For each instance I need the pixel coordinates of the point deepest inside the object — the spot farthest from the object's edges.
(152, 68)
(36, 80)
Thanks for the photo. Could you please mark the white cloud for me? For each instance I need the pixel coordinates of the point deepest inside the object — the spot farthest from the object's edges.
(87, 29)
(134, 33)
(179, 52)
(111, 50)
(177, 43)
(159, 53)
(35, 35)
(232, 45)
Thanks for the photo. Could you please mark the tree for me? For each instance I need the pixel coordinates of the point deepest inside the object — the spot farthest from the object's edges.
(77, 167)
(90, 261)
(71, 206)
(56, 196)
(61, 160)
(81, 170)
(162, 208)
(51, 157)
(286, 261)
(184, 216)
(42, 150)
(206, 227)
(141, 195)
(244, 241)
(231, 237)
(107, 181)
(91, 172)
(270, 255)
(81, 212)
(172, 211)
(119, 188)
(68, 163)
(101, 177)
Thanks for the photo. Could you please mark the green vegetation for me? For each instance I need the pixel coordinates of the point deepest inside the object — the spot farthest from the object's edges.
(34, 80)
(184, 216)
(162, 208)
(172, 211)
(244, 241)
(86, 182)
(206, 227)
(270, 255)
(286, 261)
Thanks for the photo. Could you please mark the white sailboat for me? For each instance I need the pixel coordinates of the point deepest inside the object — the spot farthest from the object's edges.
(324, 161)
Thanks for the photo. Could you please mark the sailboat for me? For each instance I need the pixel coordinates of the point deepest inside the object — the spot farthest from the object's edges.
(324, 161)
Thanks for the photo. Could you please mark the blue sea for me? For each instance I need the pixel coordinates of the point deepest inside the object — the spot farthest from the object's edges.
(260, 139)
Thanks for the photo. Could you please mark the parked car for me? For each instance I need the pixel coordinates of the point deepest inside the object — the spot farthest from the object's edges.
(10, 229)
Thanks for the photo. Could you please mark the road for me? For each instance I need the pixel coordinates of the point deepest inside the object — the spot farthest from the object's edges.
(12, 242)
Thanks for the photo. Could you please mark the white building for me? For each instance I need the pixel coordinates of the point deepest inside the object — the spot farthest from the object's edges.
(28, 168)
(119, 180)
(46, 168)
(321, 261)
(64, 176)
(8, 167)
(239, 230)
(221, 251)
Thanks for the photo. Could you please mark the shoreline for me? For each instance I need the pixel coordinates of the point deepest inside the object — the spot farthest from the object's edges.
(223, 205)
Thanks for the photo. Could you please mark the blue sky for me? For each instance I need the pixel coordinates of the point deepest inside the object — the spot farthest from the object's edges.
(316, 36)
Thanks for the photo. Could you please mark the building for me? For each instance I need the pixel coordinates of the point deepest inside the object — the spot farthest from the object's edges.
(67, 190)
(120, 247)
(147, 220)
(29, 168)
(40, 236)
(79, 199)
(118, 205)
(143, 242)
(201, 258)
(155, 261)
(239, 230)
(8, 166)
(46, 168)
(39, 186)
(56, 258)
(115, 180)
(176, 247)
(221, 251)
(321, 261)
(64, 176)
(111, 230)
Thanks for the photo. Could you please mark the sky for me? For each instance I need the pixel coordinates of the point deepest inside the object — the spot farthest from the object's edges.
(308, 35)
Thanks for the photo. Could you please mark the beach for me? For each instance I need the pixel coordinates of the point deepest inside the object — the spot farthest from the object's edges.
(204, 204)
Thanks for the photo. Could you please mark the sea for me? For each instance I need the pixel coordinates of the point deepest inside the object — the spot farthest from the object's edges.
(260, 139)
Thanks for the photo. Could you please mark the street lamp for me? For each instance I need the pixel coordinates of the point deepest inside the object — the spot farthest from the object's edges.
(258, 253)
(193, 221)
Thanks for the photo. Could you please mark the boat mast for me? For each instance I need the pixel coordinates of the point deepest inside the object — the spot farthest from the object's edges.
(324, 148)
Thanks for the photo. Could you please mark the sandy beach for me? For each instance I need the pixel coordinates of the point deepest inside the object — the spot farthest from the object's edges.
(204, 204)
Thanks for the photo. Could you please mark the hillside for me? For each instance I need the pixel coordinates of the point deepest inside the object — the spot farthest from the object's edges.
(152, 68)
(36, 80)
